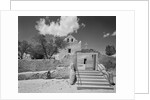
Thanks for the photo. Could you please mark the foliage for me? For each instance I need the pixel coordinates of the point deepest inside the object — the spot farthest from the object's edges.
(40, 39)
(23, 47)
(109, 62)
(44, 47)
(60, 43)
(110, 65)
(110, 50)
(37, 52)
(50, 45)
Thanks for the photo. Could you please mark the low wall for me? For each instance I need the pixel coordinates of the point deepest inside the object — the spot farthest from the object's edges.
(58, 73)
(36, 65)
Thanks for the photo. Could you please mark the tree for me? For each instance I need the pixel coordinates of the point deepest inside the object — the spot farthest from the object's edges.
(23, 47)
(36, 52)
(110, 65)
(40, 39)
(51, 49)
(110, 50)
(50, 45)
(60, 43)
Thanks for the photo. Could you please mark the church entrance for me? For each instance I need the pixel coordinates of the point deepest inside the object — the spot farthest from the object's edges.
(87, 61)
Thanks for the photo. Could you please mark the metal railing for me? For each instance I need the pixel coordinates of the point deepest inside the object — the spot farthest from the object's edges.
(106, 75)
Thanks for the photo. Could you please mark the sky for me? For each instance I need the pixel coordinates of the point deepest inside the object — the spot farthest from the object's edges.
(96, 31)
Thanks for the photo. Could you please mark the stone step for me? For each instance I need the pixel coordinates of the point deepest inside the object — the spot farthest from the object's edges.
(92, 80)
(87, 71)
(81, 87)
(90, 77)
(88, 74)
(94, 77)
(94, 83)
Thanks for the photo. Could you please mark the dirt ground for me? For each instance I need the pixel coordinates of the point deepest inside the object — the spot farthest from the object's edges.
(52, 86)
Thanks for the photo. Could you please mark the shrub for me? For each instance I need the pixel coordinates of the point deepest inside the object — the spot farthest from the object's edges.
(110, 50)
(109, 65)
(108, 61)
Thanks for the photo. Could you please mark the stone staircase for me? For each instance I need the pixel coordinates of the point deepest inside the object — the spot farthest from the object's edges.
(91, 79)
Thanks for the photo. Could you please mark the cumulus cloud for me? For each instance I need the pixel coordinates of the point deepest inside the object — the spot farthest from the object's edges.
(114, 33)
(62, 27)
(106, 35)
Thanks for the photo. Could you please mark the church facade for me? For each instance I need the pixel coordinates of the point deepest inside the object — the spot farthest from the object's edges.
(85, 59)
(73, 46)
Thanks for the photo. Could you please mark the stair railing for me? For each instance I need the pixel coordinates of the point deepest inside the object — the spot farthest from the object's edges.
(102, 69)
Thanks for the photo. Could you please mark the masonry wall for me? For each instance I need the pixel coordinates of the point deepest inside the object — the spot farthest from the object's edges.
(73, 46)
(89, 60)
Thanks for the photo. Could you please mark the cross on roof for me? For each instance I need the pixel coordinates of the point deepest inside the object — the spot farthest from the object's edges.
(86, 45)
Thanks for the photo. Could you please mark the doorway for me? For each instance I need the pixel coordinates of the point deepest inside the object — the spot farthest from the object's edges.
(69, 50)
(94, 61)
(85, 60)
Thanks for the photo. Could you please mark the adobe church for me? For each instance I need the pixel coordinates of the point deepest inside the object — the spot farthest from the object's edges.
(73, 46)
(85, 60)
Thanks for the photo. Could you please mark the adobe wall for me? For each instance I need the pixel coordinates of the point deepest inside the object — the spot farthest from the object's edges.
(74, 47)
(89, 62)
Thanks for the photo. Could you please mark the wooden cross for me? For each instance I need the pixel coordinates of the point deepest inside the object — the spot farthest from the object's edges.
(86, 45)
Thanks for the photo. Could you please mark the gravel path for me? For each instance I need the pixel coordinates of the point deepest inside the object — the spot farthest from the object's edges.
(51, 86)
